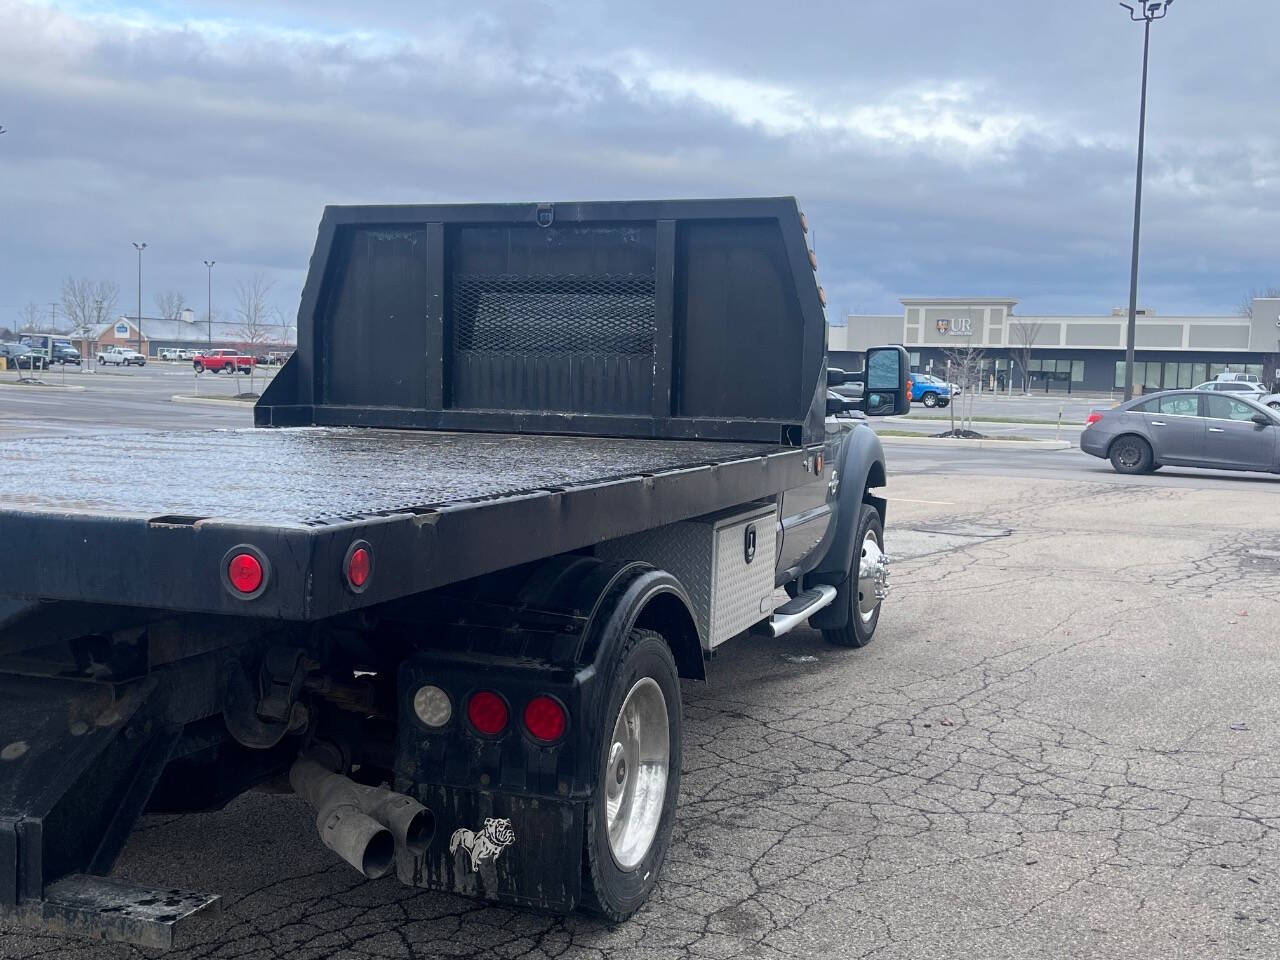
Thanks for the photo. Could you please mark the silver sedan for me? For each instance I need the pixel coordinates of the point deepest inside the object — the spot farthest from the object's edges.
(1187, 428)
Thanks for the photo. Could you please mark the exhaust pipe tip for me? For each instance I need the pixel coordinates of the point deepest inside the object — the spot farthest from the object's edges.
(419, 832)
(412, 824)
(360, 840)
(379, 855)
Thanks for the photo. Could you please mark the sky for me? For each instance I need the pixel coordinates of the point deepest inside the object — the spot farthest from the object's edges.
(938, 147)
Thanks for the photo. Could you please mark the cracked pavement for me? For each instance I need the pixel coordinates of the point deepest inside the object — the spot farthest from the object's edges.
(1062, 743)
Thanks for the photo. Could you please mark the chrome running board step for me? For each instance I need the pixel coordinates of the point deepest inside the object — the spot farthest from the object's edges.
(800, 608)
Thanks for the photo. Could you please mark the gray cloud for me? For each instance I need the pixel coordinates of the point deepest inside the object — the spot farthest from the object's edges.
(938, 147)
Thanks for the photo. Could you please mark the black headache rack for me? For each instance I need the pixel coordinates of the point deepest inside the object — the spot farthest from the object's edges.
(664, 319)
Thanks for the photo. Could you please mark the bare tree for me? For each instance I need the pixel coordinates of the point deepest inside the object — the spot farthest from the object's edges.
(31, 317)
(1246, 302)
(966, 364)
(170, 304)
(88, 305)
(253, 310)
(1024, 334)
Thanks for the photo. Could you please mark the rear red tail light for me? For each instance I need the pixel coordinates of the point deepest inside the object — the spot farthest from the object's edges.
(245, 572)
(545, 719)
(1092, 418)
(357, 566)
(487, 712)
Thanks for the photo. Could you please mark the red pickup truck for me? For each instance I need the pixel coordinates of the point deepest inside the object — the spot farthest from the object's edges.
(216, 361)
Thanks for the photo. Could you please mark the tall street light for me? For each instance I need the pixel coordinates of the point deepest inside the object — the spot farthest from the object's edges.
(1146, 14)
(209, 315)
(139, 247)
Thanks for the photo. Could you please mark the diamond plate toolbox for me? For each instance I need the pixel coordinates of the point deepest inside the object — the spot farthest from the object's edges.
(724, 560)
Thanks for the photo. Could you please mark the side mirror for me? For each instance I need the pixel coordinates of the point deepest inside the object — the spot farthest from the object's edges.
(887, 392)
(1262, 420)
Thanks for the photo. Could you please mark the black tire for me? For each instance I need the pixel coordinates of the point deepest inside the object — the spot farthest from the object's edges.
(199, 367)
(858, 631)
(930, 399)
(609, 890)
(1130, 454)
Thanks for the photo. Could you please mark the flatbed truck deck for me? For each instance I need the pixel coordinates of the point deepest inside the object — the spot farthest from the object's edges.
(530, 466)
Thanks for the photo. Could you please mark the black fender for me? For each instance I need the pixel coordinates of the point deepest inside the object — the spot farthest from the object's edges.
(862, 469)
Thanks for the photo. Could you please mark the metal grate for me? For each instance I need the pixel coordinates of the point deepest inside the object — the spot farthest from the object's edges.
(560, 314)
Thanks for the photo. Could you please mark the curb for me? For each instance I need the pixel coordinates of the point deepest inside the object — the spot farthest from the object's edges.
(213, 401)
(1029, 446)
(69, 387)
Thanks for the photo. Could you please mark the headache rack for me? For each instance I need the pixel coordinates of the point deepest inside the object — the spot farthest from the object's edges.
(663, 319)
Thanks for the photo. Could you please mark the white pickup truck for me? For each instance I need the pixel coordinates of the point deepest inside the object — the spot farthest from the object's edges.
(121, 357)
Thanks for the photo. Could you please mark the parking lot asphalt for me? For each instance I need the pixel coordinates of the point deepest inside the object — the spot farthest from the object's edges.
(120, 400)
(1064, 742)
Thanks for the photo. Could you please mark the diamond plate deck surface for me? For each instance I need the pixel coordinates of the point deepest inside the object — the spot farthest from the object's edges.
(313, 475)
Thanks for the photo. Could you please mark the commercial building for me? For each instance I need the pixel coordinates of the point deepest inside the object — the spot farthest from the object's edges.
(1069, 353)
(185, 332)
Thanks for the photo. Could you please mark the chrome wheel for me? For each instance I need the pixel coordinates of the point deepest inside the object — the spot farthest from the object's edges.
(635, 773)
(873, 577)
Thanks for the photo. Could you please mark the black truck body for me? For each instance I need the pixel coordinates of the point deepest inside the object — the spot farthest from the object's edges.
(449, 582)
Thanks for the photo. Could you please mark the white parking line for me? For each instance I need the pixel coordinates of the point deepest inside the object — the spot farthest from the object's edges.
(931, 503)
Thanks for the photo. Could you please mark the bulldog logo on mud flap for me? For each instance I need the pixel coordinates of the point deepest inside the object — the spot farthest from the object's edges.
(486, 845)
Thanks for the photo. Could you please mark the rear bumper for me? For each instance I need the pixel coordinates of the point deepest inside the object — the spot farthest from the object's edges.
(1094, 443)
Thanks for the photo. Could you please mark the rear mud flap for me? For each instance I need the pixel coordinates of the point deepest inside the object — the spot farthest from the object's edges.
(78, 762)
(511, 848)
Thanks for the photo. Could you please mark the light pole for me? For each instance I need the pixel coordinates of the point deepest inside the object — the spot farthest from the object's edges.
(209, 315)
(139, 247)
(1146, 14)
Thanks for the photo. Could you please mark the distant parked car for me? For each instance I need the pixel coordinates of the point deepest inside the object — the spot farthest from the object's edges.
(930, 390)
(121, 357)
(64, 353)
(16, 354)
(1246, 377)
(1249, 387)
(278, 357)
(37, 359)
(1193, 428)
(217, 361)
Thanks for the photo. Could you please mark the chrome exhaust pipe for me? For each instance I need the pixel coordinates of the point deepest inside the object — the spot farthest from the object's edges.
(363, 825)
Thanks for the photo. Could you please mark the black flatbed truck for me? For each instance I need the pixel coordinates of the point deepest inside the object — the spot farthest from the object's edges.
(448, 589)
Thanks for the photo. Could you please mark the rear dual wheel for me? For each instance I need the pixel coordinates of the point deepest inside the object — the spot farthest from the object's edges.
(630, 817)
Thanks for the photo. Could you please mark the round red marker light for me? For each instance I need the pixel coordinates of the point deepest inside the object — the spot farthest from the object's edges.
(487, 712)
(245, 572)
(545, 719)
(359, 566)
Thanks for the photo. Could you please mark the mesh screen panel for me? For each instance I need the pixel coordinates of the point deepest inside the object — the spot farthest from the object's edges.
(554, 314)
